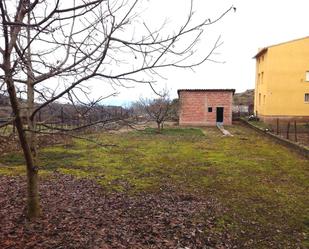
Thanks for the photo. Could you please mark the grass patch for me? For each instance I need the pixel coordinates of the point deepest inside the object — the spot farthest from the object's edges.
(261, 125)
(174, 131)
(6, 130)
(263, 185)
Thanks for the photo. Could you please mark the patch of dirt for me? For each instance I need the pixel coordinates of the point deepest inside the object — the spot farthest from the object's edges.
(78, 213)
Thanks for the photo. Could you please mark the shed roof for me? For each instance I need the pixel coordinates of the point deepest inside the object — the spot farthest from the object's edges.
(206, 90)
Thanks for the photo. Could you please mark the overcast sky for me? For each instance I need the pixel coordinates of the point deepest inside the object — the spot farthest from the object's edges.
(256, 24)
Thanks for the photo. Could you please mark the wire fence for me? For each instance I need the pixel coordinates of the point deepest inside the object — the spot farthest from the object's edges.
(294, 130)
(98, 118)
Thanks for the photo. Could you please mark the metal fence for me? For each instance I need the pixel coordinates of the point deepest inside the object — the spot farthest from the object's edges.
(69, 119)
(294, 130)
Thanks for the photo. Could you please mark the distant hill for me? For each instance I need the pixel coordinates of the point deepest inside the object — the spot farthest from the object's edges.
(244, 98)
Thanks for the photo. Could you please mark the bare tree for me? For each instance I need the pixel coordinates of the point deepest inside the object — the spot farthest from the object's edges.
(157, 109)
(50, 48)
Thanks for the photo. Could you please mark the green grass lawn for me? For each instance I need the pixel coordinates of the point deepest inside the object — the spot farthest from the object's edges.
(6, 130)
(260, 125)
(263, 186)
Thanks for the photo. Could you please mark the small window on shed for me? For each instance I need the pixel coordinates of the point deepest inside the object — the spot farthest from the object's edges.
(209, 109)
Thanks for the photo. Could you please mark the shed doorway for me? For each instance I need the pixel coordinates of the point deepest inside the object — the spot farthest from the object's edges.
(220, 111)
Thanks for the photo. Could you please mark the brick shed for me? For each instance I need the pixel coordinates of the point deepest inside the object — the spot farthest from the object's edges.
(200, 107)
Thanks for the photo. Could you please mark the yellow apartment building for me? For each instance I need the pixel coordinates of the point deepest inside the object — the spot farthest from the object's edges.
(282, 81)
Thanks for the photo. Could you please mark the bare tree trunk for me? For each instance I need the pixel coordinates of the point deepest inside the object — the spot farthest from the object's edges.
(30, 99)
(159, 127)
(33, 206)
(33, 192)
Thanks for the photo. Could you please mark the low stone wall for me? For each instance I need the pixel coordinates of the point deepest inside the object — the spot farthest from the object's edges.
(291, 145)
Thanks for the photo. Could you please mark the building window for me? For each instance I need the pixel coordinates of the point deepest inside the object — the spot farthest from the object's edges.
(264, 99)
(259, 76)
(209, 109)
(307, 76)
(259, 98)
(307, 97)
(262, 76)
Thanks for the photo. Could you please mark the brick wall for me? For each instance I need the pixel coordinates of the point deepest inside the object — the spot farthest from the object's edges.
(194, 107)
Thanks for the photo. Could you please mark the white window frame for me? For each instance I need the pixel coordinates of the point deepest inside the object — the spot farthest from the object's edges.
(307, 76)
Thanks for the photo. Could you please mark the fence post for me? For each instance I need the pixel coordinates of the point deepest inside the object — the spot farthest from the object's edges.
(308, 131)
(295, 130)
(288, 131)
(277, 126)
(62, 118)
